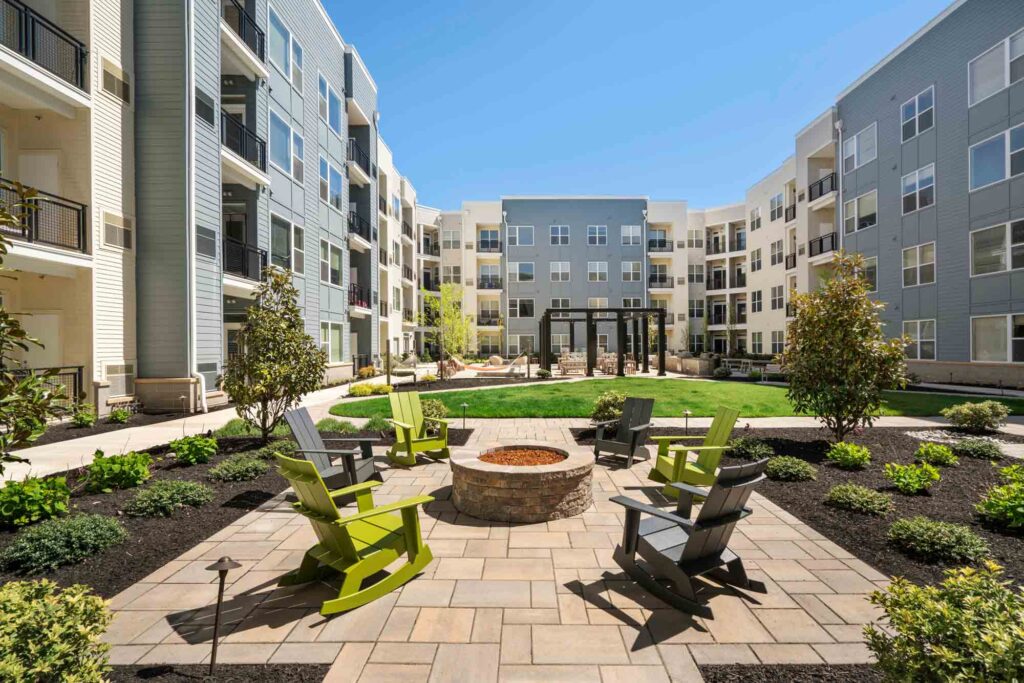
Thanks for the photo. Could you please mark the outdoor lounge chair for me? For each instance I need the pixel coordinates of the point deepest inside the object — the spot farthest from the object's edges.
(673, 464)
(631, 431)
(675, 549)
(352, 470)
(358, 546)
(411, 430)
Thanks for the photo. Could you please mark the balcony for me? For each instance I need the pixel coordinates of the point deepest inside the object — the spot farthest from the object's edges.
(244, 260)
(359, 227)
(407, 316)
(66, 379)
(739, 280)
(243, 42)
(43, 43)
(358, 296)
(791, 213)
(656, 246)
(790, 261)
(359, 163)
(382, 205)
(431, 284)
(489, 246)
(486, 319)
(716, 246)
(821, 245)
(717, 281)
(50, 220)
(790, 310)
(718, 318)
(383, 309)
(738, 244)
(822, 187)
(659, 281)
(489, 282)
(243, 152)
(406, 230)
(407, 274)
(382, 257)
(741, 317)
(431, 249)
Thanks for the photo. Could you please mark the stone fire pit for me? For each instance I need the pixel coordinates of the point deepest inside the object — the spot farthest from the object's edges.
(522, 493)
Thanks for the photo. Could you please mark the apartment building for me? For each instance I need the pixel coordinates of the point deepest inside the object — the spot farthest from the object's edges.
(398, 291)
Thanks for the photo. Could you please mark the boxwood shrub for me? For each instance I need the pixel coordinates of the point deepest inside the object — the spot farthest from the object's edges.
(58, 542)
(750, 448)
(848, 456)
(164, 498)
(860, 499)
(788, 468)
(977, 417)
(608, 406)
(934, 541)
(239, 467)
(33, 500)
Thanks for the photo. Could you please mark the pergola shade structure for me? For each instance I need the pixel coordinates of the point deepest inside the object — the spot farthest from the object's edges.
(591, 318)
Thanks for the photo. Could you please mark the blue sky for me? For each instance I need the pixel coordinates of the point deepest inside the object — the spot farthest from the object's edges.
(675, 99)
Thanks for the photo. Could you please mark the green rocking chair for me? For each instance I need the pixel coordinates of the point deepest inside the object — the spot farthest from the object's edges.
(672, 464)
(358, 546)
(411, 435)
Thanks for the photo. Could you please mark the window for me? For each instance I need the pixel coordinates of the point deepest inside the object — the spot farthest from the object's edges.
(520, 308)
(489, 345)
(919, 189)
(870, 273)
(997, 249)
(116, 82)
(520, 343)
(205, 108)
(918, 114)
(280, 242)
(756, 342)
(755, 260)
(597, 271)
(280, 48)
(559, 235)
(631, 302)
(560, 343)
(996, 69)
(919, 265)
(859, 149)
(696, 308)
(861, 213)
(989, 339)
(778, 297)
(597, 302)
(520, 235)
(298, 249)
(560, 303)
(695, 239)
(755, 301)
(520, 272)
(755, 218)
(695, 273)
(778, 341)
(330, 341)
(331, 185)
(297, 65)
(330, 106)
(298, 151)
(777, 209)
(451, 239)
(117, 232)
(696, 343)
(330, 263)
(597, 235)
(922, 339)
(998, 158)
(280, 143)
(451, 274)
(631, 271)
(776, 253)
(559, 271)
(630, 235)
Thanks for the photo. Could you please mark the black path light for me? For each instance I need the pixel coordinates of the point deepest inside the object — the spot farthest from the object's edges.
(464, 406)
(222, 567)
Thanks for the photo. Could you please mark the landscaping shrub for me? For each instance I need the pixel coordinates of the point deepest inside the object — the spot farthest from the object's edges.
(84, 415)
(935, 541)
(360, 390)
(860, 499)
(434, 408)
(117, 471)
(911, 479)
(986, 416)
(775, 377)
(63, 541)
(367, 372)
(284, 447)
(543, 373)
(981, 449)
(118, 416)
(194, 450)
(330, 424)
(788, 468)
(750, 448)
(428, 378)
(608, 406)
(967, 628)
(239, 467)
(1003, 505)
(238, 427)
(381, 389)
(164, 498)
(936, 454)
(50, 634)
(721, 372)
(33, 500)
(378, 423)
(754, 375)
(1013, 474)
(848, 456)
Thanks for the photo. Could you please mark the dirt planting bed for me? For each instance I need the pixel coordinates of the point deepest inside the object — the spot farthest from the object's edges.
(846, 673)
(456, 437)
(226, 673)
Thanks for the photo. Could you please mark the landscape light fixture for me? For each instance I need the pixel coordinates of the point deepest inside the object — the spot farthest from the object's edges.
(222, 567)
(464, 406)
(686, 425)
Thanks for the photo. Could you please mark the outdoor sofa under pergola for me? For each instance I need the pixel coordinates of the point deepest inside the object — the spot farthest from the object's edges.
(591, 318)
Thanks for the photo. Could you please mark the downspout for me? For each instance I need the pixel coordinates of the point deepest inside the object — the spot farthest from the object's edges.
(190, 205)
(643, 271)
(841, 227)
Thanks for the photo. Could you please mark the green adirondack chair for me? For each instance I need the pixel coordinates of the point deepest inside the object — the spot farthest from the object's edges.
(411, 435)
(358, 546)
(672, 464)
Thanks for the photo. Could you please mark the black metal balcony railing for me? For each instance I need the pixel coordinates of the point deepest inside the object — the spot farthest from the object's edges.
(406, 229)
(659, 281)
(821, 245)
(489, 246)
(383, 308)
(790, 261)
(738, 244)
(822, 187)
(791, 213)
(47, 219)
(407, 273)
(42, 42)
(486, 319)
(359, 225)
(407, 315)
(716, 246)
(244, 259)
(790, 310)
(718, 318)
(358, 296)
(739, 279)
(489, 282)
(659, 245)
(719, 282)
(382, 205)
(360, 361)
(741, 317)
(242, 23)
(431, 249)
(243, 141)
(67, 380)
(431, 284)
(382, 256)
(358, 155)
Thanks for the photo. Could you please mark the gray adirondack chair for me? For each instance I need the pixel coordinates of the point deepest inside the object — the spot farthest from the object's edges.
(630, 434)
(675, 549)
(351, 470)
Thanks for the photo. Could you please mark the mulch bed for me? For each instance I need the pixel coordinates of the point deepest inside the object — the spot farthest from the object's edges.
(456, 437)
(154, 541)
(225, 673)
(523, 457)
(950, 500)
(470, 382)
(744, 673)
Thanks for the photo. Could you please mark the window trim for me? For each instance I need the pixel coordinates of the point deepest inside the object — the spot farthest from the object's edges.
(330, 91)
(873, 285)
(1007, 245)
(330, 167)
(1005, 44)
(917, 114)
(533, 305)
(291, 240)
(532, 265)
(567, 271)
(1008, 318)
(856, 212)
(341, 264)
(934, 339)
(270, 130)
(934, 264)
(757, 300)
(597, 236)
(639, 237)
(639, 270)
(598, 271)
(341, 336)
(1007, 153)
(514, 229)
(917, 190)
(559, 243)
(855, 139)
(291, 38)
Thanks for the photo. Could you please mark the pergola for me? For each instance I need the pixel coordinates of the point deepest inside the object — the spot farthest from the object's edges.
(592, 317)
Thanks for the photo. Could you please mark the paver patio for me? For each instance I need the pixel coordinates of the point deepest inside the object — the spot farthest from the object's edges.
(538, 602)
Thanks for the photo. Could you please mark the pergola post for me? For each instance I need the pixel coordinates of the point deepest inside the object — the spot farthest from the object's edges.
(545, 341)
(620, 329)
(635, 341)
(572, 336)
(591, 344)
(645, 350)
(661, 343)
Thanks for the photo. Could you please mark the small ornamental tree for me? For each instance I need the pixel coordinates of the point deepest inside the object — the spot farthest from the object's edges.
(277, 361)
(450, 328)
(26, 402)
(837, 357)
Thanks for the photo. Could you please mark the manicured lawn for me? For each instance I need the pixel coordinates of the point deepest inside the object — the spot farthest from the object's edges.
(576, 399)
